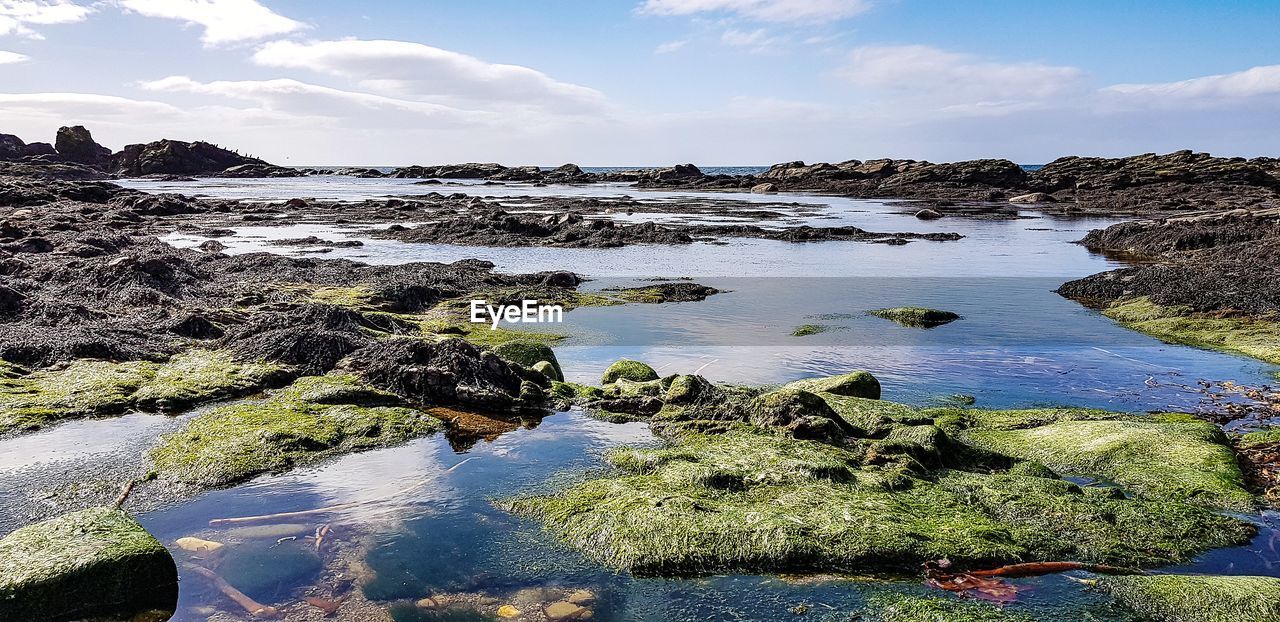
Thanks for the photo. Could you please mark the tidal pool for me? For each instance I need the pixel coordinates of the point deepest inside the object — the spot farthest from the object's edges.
(409, 528)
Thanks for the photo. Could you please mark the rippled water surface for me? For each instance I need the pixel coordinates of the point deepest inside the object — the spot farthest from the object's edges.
(408, 527)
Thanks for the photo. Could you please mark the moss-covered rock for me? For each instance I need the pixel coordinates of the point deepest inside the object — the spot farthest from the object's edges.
(1258, 337)
(96, 562)
(916, 317)
(1185, 598)
(889, 607)
(92, 388)
(853, 384)
(627, 369)
(1157, 457)
(752, 502)
(529, 354)
(804, 330)
(295, 425)
(798, 413)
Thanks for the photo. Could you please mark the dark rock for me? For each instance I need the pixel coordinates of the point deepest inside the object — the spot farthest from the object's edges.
(76, 144)
(446, 372)
(178, 158)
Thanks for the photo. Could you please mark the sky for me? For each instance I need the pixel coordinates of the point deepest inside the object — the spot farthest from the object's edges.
(648, 82)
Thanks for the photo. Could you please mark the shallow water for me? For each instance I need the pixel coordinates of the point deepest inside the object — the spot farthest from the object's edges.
(1018, 344)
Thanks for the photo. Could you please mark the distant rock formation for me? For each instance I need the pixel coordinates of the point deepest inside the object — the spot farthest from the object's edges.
(76, 144)
(175, 157)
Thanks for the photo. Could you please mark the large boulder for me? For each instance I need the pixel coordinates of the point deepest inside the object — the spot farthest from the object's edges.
(529, 354)
(626, 369)
(12, 147)
(853, 384)
(76, 144)
(175, 157)
(798, 413)
(96, 562)
(448, 372)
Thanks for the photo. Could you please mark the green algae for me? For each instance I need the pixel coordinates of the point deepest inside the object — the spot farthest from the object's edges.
(316, 417)
(1260, 437)
(1257, 337)
(891, 607)
(202, 375)
(746, 501)
(1165, 457)
(853, 384)
(804, 330)
(95, 562)
(93, 388)
(628, 370)
(916, 317)
(1188, 598)
(529, 354)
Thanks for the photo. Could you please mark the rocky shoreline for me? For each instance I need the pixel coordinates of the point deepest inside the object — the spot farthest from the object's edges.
(1142, 184)
(279, 362)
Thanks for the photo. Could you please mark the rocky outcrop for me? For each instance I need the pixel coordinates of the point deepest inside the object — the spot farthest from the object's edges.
(176, 157)
(470, 170)
(76, 144)
(87, 564)
(1182, 180)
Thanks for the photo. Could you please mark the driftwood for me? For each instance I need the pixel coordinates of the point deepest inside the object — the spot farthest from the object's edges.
(242, 520)
(251, 606)
(124, 494)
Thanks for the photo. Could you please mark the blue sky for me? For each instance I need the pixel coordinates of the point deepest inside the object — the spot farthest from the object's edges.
(641, 82)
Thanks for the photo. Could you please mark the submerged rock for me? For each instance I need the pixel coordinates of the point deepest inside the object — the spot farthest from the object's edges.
(916, 317)
(1187, 598)
(96, 562)
(265, 571)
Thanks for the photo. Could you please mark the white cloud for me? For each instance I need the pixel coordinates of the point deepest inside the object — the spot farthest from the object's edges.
(1253, 82)
(761, 10)
(291, 96)
(8, 58)
(947, 78)
(757, 40)
(407, 69)
(670, 46)
(224, 21)
(15, 15)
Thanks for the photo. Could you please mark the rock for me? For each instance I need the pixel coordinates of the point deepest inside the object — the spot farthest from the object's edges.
(212, 246)
(1187, 598)
(530, 354)
(679, 171)
(853, 384)
(447, 372)
(1033, 197)
(564, 610)
(916, 317)
(928, 214)
(95, 562)
(177, 157)
(549, 370)
(764, 188)
(196, 545)
(263, 569)
(798, 413)
(625, 369)
(581, 597)
(259, 170)
(75, 144)
(508, 611)
(12, 147)
(428, 603)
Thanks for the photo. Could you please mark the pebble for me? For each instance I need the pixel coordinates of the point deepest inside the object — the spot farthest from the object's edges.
(196, 545)
(508, 611)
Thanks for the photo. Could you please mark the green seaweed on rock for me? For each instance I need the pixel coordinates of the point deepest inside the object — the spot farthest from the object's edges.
(1190, 598)
(916, 317)
(316, 417)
